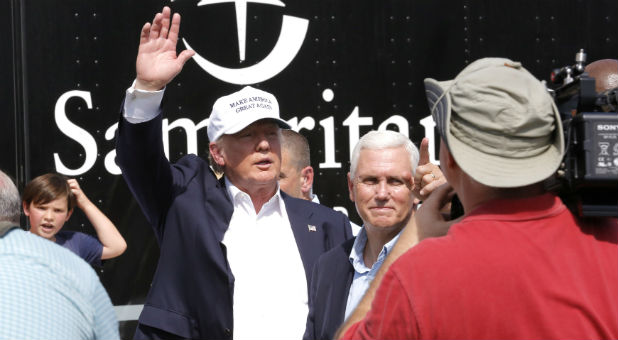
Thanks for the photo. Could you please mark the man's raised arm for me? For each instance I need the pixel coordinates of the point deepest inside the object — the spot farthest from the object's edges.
(139, 143)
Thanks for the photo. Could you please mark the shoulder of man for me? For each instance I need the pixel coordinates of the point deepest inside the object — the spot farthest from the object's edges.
(298, 203)
(50, 253)
(5, 227)
(337, 253)
(192, 165)
(192, 161)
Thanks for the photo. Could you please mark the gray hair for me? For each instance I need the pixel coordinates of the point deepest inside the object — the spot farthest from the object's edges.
(10, 203)
(383, 140)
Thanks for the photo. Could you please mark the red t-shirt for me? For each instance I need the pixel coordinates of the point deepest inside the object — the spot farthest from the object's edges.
(511, 269)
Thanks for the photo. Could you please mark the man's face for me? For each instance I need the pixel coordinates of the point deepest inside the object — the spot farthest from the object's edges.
(382, 188)
(290, 179)
(253, 156)
(47, 219)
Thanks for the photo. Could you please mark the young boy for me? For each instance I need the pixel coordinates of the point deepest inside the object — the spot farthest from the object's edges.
(48, 201)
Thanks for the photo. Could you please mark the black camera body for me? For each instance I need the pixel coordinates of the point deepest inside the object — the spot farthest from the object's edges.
(588, 176)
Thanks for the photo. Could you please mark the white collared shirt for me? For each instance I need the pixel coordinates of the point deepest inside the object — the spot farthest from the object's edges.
(270, 291)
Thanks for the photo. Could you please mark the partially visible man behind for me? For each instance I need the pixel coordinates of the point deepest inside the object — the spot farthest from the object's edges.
(46, 291)
(519, 265)
(605, 74)
(296, 176)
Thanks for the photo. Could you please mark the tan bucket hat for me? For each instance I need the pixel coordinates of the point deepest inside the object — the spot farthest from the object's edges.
(499, 123)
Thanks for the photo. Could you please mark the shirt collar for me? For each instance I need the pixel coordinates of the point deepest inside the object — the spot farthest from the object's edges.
(236, 194)
(356, 255)
(315, 199)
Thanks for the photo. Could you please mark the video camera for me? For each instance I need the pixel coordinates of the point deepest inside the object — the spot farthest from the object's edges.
(588, 176)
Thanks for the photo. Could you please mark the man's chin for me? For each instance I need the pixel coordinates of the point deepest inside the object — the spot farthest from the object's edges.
(385, 221)
(266, 178)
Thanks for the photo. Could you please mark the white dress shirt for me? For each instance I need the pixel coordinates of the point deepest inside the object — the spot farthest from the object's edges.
(270, 292)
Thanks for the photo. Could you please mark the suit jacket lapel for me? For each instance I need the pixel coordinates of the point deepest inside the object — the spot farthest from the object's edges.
(308, 232)
(218, 199)
(343, 285)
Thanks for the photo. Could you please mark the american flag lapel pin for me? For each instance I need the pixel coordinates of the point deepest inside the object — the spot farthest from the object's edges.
(311, 227)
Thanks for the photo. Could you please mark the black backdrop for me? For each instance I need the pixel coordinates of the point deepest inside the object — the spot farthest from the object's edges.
(372, 55)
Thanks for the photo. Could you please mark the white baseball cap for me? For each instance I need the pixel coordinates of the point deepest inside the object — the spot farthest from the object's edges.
(498, 122)
(236, 111)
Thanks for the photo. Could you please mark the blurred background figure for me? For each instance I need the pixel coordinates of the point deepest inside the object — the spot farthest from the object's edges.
(296, 176)
(605, 72)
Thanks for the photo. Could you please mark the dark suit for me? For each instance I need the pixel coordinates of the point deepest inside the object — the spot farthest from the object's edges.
(328, 295)
(189, 209)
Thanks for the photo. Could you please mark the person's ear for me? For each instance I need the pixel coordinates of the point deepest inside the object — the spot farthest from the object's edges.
(216, 151)
(69, 213)
(451, 163)
(26, 208)
(351, 187)
(446, 158)
(306, 175)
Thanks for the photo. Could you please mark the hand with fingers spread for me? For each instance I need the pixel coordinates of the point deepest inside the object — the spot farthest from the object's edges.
(157, 63)
(428, 176)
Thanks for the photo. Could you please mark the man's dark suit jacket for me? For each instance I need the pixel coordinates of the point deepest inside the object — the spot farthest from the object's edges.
(328, 295)
(189, 209)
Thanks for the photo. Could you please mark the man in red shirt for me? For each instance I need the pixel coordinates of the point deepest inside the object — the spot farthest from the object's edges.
(519, 264)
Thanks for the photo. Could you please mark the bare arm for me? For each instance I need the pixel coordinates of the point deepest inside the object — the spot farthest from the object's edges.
(113, 243)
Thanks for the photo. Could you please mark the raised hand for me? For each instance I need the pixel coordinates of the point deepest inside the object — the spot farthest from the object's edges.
(157, 63)
(80, 197)
(428, 176)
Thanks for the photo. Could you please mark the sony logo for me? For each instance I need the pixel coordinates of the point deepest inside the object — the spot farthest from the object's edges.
(607, 127)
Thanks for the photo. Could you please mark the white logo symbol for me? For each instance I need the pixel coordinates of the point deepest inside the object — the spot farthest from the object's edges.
(604, 146)
(290, 40)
